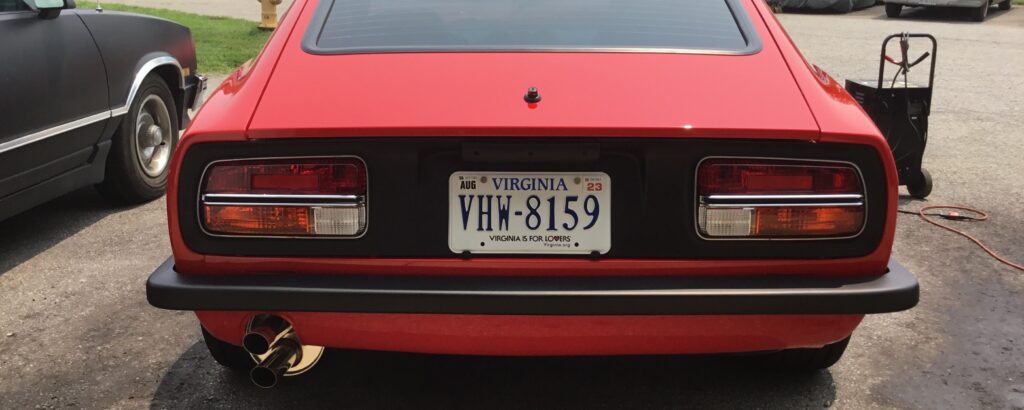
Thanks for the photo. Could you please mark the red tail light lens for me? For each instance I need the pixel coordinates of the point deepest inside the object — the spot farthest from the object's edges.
(762, 198)
(300, 197)
(776, 177)
(343, 176)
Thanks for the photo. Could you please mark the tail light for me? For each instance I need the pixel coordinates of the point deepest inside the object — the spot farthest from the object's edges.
(292, 197)
(750, 198)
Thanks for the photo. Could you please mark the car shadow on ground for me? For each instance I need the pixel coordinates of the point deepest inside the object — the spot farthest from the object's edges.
(954, 15)
(361, 379)
(28, 234)
(905, 202)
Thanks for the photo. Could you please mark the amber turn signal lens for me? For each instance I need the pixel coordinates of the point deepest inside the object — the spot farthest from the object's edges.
(807, 221)
(242, 220)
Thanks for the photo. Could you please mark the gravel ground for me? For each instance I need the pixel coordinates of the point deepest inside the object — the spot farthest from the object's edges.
(76, 331)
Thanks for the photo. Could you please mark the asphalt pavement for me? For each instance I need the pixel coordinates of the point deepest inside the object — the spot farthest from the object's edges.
(76, 331)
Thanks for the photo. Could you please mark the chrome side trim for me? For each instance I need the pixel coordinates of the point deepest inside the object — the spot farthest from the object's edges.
(365, 202)
(862, 200)
(119, 111)
(54, 131)
(144, 71)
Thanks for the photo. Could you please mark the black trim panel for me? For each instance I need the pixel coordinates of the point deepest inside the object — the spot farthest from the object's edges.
(653, 206)
(894, 291)
(91, 173)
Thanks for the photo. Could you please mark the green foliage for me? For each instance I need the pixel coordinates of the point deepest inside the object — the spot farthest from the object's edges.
(222, 43)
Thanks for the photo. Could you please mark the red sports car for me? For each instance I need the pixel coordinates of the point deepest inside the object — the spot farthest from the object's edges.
(535, 177)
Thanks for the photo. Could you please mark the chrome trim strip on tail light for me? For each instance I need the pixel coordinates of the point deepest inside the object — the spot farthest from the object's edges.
(295, 203)
(270, 197)
(763, 197)
(746, 205)
(779, 204)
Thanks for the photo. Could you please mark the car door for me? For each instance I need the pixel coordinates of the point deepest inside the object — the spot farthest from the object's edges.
(53, 96)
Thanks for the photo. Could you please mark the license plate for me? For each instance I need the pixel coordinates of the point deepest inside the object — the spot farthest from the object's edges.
(529, 212)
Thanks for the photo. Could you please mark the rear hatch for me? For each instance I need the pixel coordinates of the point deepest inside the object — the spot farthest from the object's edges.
(714, 71)
(482, 94)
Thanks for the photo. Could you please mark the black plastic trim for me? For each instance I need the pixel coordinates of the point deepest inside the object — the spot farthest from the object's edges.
(653, 209)
(85, 175)
(894, 291)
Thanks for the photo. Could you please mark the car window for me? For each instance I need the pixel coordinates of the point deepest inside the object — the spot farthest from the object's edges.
(351, 26)
(13, 5)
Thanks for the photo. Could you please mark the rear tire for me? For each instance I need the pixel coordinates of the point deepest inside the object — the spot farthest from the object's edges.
(978, 14)
(150, 127)
(1005, 5)
(228, 355)
(893, 10)
(806, 360)
(921, 188)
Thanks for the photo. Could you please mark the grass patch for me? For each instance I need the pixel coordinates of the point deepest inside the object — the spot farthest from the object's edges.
(1020, 2)
(222, 43)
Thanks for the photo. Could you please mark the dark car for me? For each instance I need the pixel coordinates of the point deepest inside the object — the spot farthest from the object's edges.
(89, 97)
(977, 8)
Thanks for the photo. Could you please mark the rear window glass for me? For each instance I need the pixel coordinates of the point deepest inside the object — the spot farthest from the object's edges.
(373, 26)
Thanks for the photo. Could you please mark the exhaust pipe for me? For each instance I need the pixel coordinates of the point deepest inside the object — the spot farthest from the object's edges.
(284, 354)
(263, 332)
(274, 345)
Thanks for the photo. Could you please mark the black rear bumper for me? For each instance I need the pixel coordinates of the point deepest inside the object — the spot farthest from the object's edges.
(894, 291)
(195, 86)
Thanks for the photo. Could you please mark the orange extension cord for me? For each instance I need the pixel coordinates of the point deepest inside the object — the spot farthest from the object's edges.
(982, 216)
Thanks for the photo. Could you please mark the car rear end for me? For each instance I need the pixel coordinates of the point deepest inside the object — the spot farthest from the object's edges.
(691, 191)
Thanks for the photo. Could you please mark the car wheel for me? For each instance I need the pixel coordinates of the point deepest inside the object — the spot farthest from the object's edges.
(143, 145)
(979, 13)
(806, 360)
(893, 10)
(1005, 5)
(921, 188)
(227, 354)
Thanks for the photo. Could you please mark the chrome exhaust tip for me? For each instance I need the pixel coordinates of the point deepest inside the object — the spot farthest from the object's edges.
(263, 331)
(277, 351)
(285, 354)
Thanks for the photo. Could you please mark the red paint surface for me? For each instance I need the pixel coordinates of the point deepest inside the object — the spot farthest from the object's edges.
(774, 94)
(585, 94)
(550, 335)
(761, 95)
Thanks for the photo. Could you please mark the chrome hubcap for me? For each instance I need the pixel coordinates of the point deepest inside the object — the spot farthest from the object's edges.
(153, 136)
